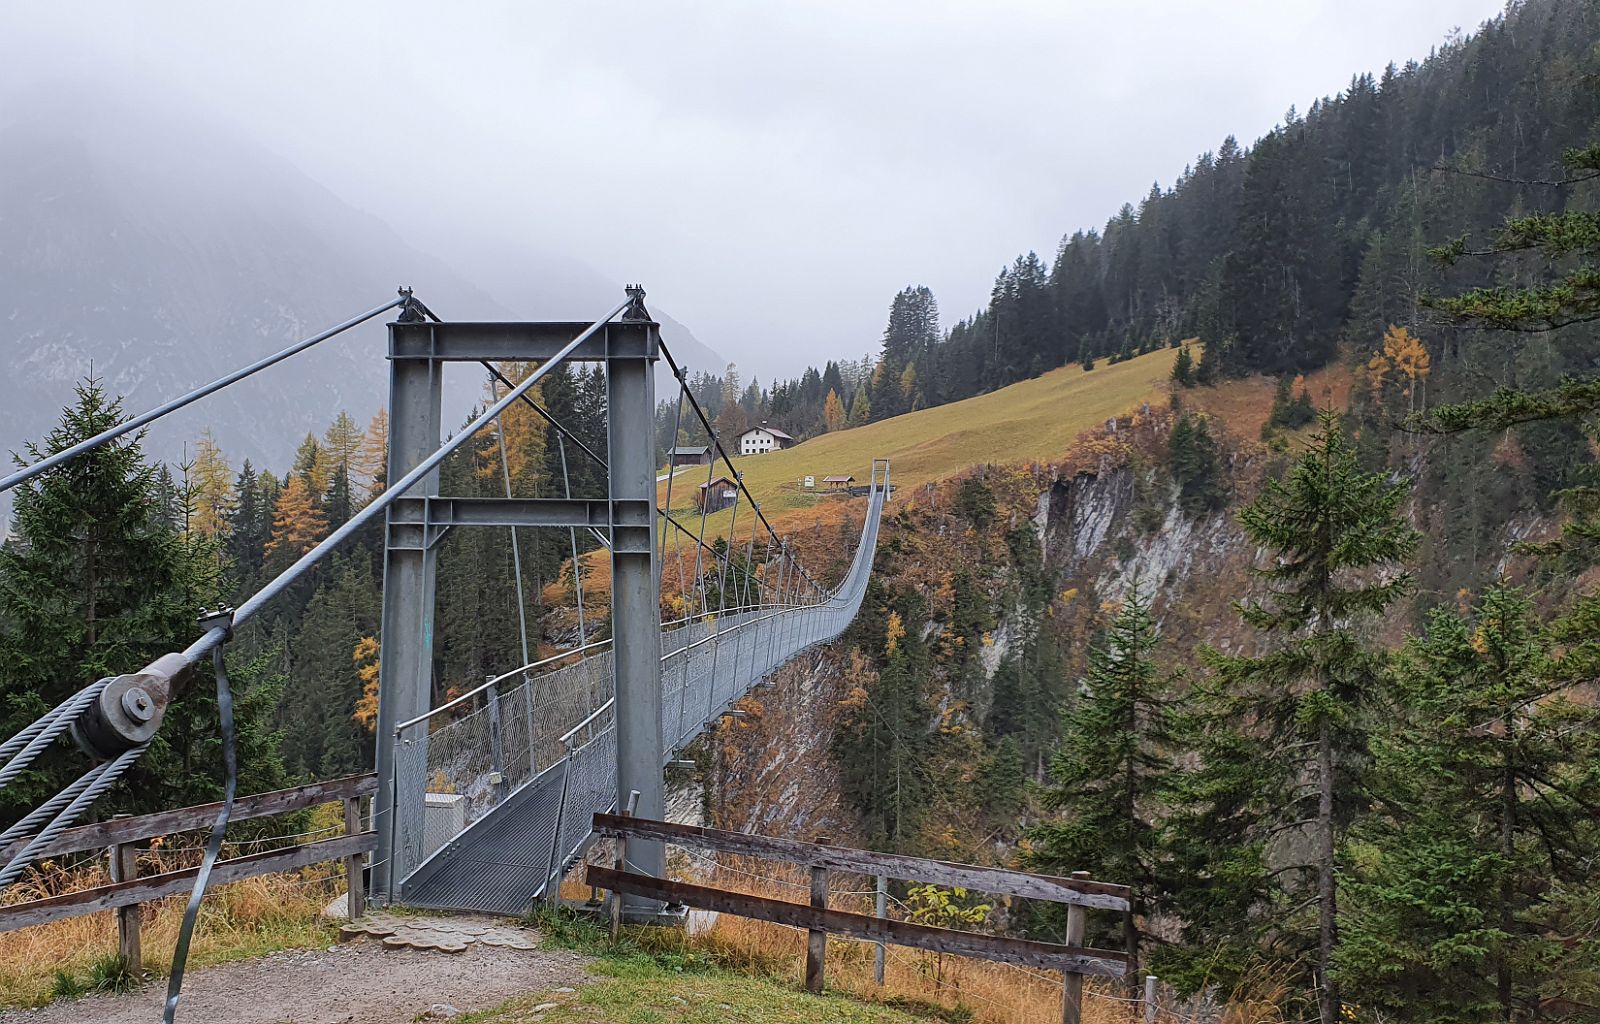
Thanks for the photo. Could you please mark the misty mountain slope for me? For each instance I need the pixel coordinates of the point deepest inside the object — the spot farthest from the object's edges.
(163, 253)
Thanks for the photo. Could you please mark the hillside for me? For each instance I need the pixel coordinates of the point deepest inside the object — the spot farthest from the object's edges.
(1034, 420)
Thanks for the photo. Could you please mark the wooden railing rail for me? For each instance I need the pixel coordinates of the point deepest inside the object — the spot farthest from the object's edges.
(1001, 881)
(101, 834)
(1080, 893)
(127, 890)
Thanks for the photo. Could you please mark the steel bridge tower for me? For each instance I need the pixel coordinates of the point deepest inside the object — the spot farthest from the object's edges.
(418, 520)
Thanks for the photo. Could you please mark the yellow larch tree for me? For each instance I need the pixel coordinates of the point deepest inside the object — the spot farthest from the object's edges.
(366, 658)
(297, 522)
(524, 432)
(372, 461)
(212, 479)
(341, 444)
(1406, 358)
(833, 415)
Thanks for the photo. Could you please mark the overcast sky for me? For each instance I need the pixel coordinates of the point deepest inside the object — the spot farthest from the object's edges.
(773, 172)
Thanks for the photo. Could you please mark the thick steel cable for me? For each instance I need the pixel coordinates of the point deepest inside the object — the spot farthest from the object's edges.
(103, 777)
(21, 739)
(577, 563)
(49, 809)
(393, 493)
(672, 469)
(57, 722)
(230, 783)
(161, 410)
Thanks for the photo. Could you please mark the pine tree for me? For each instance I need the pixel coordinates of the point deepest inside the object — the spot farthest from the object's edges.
(249, 523)
(321, 736)
(882, 740)
(1113, 762)
(89, 581)
(311, 465)
(1192, 457)
(1335, 539)
(96, 581)
(1572, 235)
(1486, 811)
(1183, 368)
(860, 409)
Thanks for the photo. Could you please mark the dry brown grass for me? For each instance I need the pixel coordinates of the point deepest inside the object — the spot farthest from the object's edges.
(995, 993)
(1243, 406)
(248, 918)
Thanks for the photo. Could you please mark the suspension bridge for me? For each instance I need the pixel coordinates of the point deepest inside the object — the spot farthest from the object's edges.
(485, 801)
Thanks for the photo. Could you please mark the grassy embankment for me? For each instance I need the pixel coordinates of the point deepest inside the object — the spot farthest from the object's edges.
(1030, 421)
(1034, 420)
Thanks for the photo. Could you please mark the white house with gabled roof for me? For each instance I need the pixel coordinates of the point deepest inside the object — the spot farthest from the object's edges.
(763, 439)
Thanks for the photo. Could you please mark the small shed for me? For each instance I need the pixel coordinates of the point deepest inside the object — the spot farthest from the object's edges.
(717, 495)
(682, 456)
(838, 483)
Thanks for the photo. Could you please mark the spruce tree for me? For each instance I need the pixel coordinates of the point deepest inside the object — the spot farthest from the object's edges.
(1113, 761)
(89, 580)
(1336, 540)
(1183, 368)
(97, 581)
(1486, 811)
(1192, 458)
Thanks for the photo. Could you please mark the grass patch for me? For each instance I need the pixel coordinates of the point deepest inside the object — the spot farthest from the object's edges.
(658, 975)
(639, 988)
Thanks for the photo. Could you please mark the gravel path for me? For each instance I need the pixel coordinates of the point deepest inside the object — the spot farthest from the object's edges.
(360, 982)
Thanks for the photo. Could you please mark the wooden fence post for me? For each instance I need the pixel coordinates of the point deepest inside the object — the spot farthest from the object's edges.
(880, 910)
(1072, 981)
(622, 865)
(1150, 1003)
(355, 884)
(124, 868)
(816, 938)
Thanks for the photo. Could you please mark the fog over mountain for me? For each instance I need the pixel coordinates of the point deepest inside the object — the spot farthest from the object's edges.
(161, 248)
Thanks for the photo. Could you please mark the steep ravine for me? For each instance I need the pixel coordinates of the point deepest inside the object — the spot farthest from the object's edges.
(1104, 516)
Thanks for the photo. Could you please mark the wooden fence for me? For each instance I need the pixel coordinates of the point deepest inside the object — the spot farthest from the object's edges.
(127, 890)
(1080, 893)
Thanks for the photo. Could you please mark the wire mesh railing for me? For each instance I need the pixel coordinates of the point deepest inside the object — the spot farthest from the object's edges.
(543, 747)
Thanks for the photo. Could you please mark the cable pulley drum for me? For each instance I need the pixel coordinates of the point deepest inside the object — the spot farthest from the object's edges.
(129, 710)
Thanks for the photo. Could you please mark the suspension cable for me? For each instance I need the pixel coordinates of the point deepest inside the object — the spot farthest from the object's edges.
(393, 493)
(161, 410)
(516, 550)
(700, 413)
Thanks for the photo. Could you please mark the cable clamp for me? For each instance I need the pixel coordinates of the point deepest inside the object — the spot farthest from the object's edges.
(221, 618)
